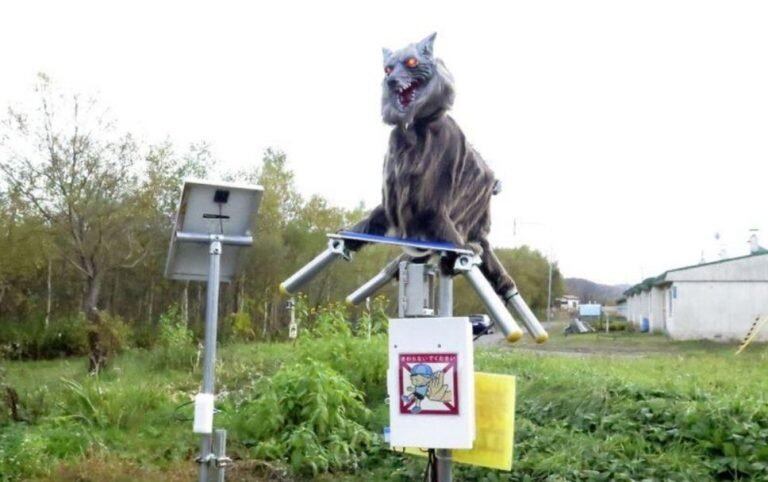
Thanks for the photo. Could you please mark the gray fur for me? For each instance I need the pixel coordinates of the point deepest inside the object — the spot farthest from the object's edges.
(436, 186)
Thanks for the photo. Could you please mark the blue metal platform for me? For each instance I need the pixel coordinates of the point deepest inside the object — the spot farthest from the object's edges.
(405, 243)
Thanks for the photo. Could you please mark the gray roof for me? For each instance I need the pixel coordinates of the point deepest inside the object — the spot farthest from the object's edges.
(661, 279)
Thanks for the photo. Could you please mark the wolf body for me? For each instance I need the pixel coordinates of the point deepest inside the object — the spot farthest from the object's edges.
(436, 186)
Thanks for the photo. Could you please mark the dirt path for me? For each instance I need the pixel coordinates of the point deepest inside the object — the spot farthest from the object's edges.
(631, 345)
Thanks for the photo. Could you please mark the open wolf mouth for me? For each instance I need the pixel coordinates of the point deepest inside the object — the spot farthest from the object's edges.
(406, 94)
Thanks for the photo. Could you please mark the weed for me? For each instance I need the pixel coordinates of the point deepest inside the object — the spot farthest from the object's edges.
(175, 347)
(308, 416)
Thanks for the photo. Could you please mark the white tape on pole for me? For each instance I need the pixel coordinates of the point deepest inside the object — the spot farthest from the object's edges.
(203, 413)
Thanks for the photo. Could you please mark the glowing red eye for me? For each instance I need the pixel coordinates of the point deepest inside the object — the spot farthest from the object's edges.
(411, 62)
(387, 70)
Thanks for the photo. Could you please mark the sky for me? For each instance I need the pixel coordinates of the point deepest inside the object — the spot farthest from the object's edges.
(626, 134)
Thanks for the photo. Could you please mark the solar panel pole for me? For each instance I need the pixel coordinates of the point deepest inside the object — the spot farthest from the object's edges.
(210, 215)
(209, 347)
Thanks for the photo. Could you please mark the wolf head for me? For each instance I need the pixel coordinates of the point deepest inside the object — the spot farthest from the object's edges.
(416, 84)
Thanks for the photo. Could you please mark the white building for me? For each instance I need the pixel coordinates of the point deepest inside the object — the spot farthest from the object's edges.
(568, 303)
(718, 300)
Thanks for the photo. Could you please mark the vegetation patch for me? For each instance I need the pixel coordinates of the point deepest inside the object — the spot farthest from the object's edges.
(314, 408)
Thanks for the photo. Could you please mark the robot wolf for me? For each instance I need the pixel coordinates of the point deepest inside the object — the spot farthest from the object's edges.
(436, 186)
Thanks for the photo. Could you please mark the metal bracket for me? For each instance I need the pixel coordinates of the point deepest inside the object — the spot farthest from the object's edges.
(205, 460)
(468, 265)
(338, 247)
(416, 293)
(466, 262)
(215, 247)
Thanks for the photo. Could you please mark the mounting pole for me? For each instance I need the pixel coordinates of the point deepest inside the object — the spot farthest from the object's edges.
(445, 308)
(209, 349)
(210, 216)
(212, 460)
(416, 290)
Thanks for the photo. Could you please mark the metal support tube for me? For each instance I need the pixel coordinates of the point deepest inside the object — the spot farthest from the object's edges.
(528, 318)
(445, 308)
(445, 296)
(444, 459)
(377, 282)
(496, 309)
(303, 276)
(208, 238)
(549, 293)
(416, 290)
(220, 451)
(209, 347)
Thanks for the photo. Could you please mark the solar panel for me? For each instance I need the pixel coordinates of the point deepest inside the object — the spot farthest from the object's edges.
(402, 242)
(207, 208)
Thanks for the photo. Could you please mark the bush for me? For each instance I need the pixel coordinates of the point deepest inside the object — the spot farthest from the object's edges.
(175, 347)
(308, 416)
(374, 321)
(581, 422)
(619, 324)
(64, 337)
(242, 326)
(362, 362)
(114, 333)
(144, 336)
(322, 321)
(98, 404)
(22, 453)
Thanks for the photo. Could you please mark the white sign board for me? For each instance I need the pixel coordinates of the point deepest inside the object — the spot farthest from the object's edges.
(211, 208)
(590, 310)
(431, 383)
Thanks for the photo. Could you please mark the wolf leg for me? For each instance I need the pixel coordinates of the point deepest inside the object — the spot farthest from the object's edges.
(493, 270)
(376, 223)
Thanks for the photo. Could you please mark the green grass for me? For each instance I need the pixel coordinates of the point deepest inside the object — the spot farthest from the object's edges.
(668, 411)
(620, 343)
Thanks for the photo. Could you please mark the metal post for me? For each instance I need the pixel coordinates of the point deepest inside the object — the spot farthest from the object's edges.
(209, 355)
(293, 328)
(445, 308)
(445, 300)
(336, 250)
(220, 451)
(496, 309)
(528, 318)
(377, 282)
(549, 293)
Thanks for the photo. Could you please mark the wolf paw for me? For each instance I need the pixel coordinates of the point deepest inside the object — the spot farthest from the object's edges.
(476, 248)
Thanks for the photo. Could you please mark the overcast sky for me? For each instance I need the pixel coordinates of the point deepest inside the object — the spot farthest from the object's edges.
(626, 134)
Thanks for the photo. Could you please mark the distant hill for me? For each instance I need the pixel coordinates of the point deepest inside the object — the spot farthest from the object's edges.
(590, 291)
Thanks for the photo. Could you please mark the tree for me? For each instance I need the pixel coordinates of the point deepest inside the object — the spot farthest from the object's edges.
(66, 159)
(22, 236)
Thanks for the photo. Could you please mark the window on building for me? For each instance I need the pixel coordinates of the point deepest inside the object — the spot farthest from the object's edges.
(672, 296)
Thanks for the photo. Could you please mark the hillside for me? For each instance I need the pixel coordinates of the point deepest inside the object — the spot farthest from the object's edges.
(588, 290)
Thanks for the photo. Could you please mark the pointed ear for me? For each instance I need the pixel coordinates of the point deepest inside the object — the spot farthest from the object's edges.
(426, 45)
(386, 53)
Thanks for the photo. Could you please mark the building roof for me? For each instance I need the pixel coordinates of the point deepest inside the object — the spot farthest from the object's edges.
(661, 279)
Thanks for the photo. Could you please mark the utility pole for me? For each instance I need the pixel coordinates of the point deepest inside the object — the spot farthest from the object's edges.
(549, 293)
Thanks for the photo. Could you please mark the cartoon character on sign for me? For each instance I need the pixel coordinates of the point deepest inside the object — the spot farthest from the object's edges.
(426, 384)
